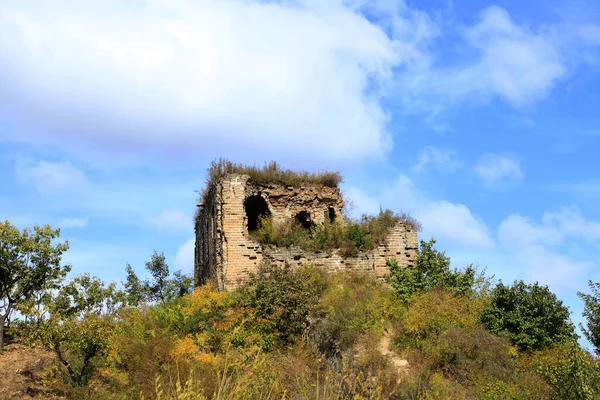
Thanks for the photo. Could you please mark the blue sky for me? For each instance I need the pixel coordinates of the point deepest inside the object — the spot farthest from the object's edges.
(479, 118)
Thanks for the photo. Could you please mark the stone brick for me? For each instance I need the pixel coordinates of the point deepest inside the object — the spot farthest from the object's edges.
(225, 253)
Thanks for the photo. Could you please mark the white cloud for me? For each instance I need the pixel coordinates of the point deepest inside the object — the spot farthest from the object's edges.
(443, 160)
(73, 222)
(171, 220)
(542, 249)
(452, 222)
(518, 64)
(358, 202)
(184, 260)
(499, 58)
(50, 177)
(517, 231)
(496, 169)
(178, 77)
(571, 223)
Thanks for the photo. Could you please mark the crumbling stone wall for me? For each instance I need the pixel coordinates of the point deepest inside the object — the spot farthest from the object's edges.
(400, 244)
(225, 252)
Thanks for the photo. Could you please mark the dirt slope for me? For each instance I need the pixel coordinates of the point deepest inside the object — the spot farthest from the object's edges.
(21, 370)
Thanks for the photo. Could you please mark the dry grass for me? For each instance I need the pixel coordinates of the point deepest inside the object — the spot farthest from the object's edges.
(22, 371)
(270, 173)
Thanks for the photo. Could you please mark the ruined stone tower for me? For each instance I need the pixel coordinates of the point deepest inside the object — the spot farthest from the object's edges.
(225, 251)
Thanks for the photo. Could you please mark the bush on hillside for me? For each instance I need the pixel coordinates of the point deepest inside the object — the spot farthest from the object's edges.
(529, 315)
(431, 270)
(351, 306)
(571, 371)
(283, 298)
(79, 322)
(430, 314)
(454, 356)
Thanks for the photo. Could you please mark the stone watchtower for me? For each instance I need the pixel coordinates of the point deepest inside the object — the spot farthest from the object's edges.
(225, 251)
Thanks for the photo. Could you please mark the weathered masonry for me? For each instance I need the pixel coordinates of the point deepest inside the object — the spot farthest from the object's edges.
(225, 252)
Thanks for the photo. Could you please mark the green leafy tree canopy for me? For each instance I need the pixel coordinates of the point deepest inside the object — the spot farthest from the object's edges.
(30, 262)
(162, 287)
(591, 311)
(529, 315)
(80, 323)
(431, 270)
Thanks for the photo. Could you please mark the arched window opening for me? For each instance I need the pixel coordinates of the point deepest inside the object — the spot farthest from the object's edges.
(304, 219)
(255, 207)
(331, 214)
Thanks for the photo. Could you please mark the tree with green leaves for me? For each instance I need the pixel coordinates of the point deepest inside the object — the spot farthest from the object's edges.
(529, 315)
(180, 285)
(134, 289)
(86, 294)
(80, 322)
(161, 287)
(30, 263)
(431, 270)
(591, 311)
(571, 371)
(157, 287)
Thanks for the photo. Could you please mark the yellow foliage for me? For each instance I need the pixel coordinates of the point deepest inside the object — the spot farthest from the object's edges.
(207, 358)
(203, 300)
(432, 313)
(184, 348)
(442, 388)
(120, 376)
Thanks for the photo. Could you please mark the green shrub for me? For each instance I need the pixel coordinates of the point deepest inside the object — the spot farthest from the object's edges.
(79, 324)
(571, 371)
(529, 315)
(138, 351)
(80, 344)
(431, 270)
(351, 306)
(433, 313)
(441, 334)
(283, 298)
(350, 237)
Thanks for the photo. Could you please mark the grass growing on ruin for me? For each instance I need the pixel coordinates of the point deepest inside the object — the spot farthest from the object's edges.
(350, 237)
(270, 173)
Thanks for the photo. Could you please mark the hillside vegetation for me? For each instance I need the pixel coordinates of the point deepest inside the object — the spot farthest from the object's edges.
(298, 334)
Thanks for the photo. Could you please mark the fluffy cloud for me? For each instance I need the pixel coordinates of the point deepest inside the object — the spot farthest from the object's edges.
(571, 222)
(543, 250)
(443, 160)
(184, 260)
(50, 177)
(178, 76)
(452, 222)
(496, 169)
(171, 220)
(500, 59)
(516, 63)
